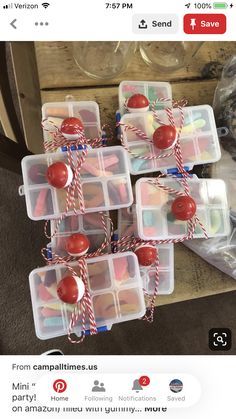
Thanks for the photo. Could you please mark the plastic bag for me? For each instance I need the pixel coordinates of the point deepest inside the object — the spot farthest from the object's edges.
(224, 105)
(221, 251)
(218, 251)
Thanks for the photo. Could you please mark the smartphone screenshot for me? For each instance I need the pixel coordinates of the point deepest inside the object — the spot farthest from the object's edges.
(118, 209)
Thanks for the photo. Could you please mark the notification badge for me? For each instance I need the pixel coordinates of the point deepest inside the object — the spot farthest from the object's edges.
(144, 380)
(59, 386)
(204, 24)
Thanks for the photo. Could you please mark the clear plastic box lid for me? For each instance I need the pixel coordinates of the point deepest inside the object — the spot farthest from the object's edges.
(199, 139)
(127, 225)
(89, 224)
(115, 287)
(155, 220)
(87, 112)
(151, 89)
(105, 182)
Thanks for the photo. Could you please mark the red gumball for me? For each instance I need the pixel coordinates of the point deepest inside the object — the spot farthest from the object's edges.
(138, 103)
(164, 137)
(70, 289)
(146, 254)
(71, 128)
(77, 244)
(184, 208)
(59, 175)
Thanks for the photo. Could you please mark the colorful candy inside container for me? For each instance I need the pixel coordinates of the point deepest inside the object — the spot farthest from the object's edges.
(105, 181)
(54, 113)
(89, 224)
(115, 287)
(127, 225)
(198, 140)
(154, 209)
(150, 90)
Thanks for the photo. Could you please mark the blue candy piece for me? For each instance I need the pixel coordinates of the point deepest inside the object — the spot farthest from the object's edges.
(137, 164)
(148, 219)
(53, 321)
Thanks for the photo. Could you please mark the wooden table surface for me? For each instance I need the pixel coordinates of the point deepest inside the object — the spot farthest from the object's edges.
(59, 76)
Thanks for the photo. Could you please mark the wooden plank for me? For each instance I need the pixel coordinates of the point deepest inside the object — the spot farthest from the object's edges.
(6, 121)
(197, 93)
(28, 91)
(57, 68)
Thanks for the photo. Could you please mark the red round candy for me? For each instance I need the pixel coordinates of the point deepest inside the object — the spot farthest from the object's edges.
(70, 289)
(146, 254)
(59, 175)
(164, 137)
(71, 126)
(184, 208)
(77, 244)
(138, 101)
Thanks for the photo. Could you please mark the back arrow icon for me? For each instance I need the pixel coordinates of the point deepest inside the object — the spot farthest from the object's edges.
(13, 24)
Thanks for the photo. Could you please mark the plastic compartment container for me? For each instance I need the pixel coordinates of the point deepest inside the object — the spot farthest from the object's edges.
(88, 224)
(115, 287)
(199, 139)
(156, 222)
(152, 91)
(127, 225)
(105, 182)
(56, 112)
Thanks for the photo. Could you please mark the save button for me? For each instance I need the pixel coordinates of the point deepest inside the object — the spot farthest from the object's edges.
(197, 24)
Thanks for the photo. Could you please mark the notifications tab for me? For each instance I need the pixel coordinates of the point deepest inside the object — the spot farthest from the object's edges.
(204, 24)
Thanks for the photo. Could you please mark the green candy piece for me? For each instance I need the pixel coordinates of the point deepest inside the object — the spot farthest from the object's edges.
(216, 221)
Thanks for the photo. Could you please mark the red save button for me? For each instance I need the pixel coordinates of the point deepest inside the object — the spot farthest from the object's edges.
(204, 24)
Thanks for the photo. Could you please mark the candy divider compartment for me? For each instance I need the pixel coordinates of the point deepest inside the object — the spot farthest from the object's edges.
(105, 274)
(77, 109)
(162, 89)
(204, 208)
(114, 191)
(118, 279)
(166, 286)
(60, 194)
(39, 204)
(42, 330)
(140, 309)
(207, 132)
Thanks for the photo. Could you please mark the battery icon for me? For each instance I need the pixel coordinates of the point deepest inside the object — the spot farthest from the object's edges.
(218, 5)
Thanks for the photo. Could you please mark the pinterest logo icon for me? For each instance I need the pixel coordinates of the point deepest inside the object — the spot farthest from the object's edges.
(59, 386)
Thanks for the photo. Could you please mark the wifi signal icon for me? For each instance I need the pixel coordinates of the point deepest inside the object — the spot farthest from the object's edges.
(45, 5)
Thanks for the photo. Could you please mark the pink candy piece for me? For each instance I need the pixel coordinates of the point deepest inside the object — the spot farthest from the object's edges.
(43, 293)
(88, 167)
(48, 312)
(149, 231)
(110, 161)
(41, 203)
(121, 269)
(123, 192)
